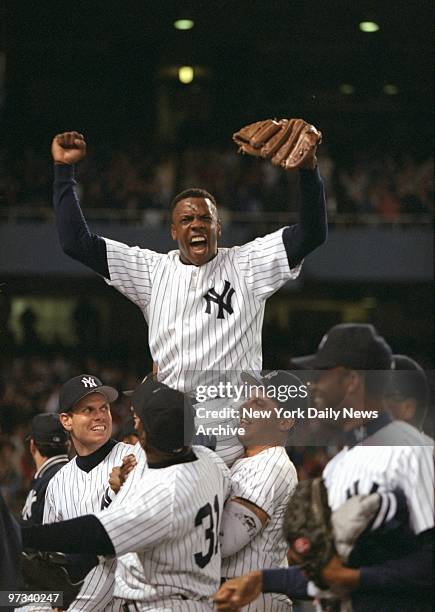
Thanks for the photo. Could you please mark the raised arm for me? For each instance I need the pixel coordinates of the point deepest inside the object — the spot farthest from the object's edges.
(312, 230)
(75, 238)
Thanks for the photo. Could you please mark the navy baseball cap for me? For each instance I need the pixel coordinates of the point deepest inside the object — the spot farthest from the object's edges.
(78, 387)
(47, 429)
(166, 415)
(408, 379)
(279, 385)
(353, 345)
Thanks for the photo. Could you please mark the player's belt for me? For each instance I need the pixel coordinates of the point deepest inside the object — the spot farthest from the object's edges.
(135, 606)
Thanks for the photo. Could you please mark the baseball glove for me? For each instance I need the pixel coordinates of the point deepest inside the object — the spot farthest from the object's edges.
(49, 572)
(289, 143)
(308, 530)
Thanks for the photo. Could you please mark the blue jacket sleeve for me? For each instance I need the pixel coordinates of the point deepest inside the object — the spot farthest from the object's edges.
(75, 238)
(288, 580)
(312, 230)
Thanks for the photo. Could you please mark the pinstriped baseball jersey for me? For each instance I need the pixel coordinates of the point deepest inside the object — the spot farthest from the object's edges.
(205, 317)
(99, 589)
(173, 524)
(73, 492)
(367, 467)
(266, 479)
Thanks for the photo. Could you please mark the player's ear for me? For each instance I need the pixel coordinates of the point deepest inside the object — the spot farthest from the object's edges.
(286, 424)
(173, 232)
(408, 409)
(65, 419)
(219, 228)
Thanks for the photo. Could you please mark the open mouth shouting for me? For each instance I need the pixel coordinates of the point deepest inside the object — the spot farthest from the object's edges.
(198, 244)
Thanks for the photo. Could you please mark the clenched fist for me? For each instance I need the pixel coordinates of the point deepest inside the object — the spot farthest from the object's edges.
(68, 148)
(118, 475)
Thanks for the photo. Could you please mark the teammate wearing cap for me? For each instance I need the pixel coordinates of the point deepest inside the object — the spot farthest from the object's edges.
(380, 455)
(261, 483)
(82, 485)
(49, 447)
(407, 393)
(173, 517)
(204, 306)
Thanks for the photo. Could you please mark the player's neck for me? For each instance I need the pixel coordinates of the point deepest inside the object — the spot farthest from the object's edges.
(252, 450)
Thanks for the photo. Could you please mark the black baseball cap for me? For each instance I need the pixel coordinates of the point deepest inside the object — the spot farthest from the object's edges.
(279, 385)
(166, 415)
(408, 379)
(353, 345)
(78, 387)
(47, 429)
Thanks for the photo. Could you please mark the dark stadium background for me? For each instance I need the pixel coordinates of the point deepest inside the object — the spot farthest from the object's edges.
(109, 70)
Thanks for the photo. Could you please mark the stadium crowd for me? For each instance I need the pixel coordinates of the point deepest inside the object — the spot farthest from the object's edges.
(135, 180)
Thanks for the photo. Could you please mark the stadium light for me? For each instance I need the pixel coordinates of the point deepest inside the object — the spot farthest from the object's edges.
(347, 89)
(183, 24)
(368, 26)
(186, 74)
(390, 89)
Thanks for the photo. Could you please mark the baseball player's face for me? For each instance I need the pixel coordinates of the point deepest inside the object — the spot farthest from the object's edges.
(261, 429)
(90, 423)
(328, 388)
(196, 228)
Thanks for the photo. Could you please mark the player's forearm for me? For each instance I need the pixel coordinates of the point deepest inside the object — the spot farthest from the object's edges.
(289, 581)
(75, 238)
(84, 534)
(312, 230)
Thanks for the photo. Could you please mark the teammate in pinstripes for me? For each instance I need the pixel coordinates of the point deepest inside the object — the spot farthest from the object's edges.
(172, 520)
(261, 484)
(204, 305)
(380, 455)
(49, 447)
(82, 486)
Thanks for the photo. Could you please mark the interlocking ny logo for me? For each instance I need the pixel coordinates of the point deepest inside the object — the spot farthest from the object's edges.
(88, 381)
(223, 300)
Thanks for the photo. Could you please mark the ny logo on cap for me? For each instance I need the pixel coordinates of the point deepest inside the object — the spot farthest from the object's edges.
(88, 381)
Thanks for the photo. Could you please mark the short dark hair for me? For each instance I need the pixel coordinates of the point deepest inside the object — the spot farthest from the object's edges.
(193, 192)
(51, 450)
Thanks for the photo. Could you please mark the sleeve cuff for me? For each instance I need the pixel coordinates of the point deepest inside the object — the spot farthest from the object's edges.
(63, 173)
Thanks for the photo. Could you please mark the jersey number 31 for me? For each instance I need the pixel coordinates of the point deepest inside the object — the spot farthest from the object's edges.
(210, 521)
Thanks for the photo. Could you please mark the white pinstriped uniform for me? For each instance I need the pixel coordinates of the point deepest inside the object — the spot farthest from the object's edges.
(378, 464)
(267, 480)
(98, 590)
(172, 522)
(184, 338)
(73, 492)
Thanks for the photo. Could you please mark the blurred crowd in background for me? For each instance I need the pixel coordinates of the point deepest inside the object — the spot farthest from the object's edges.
(132, 179)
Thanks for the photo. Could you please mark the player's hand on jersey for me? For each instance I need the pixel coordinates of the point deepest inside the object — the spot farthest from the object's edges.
(68, 148)
(238, 592)
(119, 474)
(339, 577)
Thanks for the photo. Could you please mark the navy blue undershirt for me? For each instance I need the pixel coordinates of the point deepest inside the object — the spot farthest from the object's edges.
(79, 243)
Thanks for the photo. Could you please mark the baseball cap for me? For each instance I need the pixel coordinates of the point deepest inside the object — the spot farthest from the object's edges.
(353, 345)
(408, 379)
(166, 415)
(279, 385)
(47, 429)
(78, 387)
